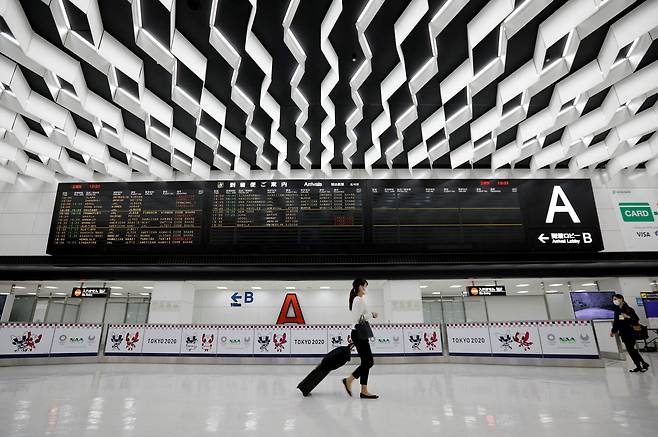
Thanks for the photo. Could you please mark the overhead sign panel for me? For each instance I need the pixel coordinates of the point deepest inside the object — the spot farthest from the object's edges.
(326, 216)
(91, 292)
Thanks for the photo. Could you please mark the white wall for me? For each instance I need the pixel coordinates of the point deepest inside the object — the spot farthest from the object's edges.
(26, 206)
(25, 212)
(318, 307)
(504, 308)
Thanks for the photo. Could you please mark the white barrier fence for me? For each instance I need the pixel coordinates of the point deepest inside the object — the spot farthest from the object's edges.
(538, 339)
(267, 340)
(47, 339)
(541, 339)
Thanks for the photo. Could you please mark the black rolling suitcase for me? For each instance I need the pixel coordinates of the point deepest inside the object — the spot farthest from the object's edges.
(332, 361)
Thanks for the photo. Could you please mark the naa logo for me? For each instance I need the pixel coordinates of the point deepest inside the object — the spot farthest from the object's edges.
(26, 342)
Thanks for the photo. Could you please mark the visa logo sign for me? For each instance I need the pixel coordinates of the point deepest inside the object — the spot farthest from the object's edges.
(636, 212)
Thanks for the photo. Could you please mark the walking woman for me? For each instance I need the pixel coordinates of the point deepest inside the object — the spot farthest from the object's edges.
(625, 319)
(360, 313)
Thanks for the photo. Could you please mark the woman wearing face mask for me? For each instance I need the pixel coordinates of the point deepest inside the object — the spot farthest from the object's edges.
(625, 319)
(359, 311)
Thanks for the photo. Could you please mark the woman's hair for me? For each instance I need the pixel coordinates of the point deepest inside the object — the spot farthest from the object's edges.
(355, 289)
(618, 296)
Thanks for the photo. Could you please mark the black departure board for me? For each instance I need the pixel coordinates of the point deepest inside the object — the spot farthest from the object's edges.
(325, 216)
(128, 216)
(446, 214)
(286, 216)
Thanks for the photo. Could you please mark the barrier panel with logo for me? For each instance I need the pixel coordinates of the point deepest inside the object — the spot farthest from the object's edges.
(26, 339)
(339, 335)
(124, 339)
(272, 340)
(387, 340)
(161, 340)
(308, 340)
(199, 340)
(468, 339)
(77, 339)
(422, 339)
(515, 339)
(568, 338)
(235, 340)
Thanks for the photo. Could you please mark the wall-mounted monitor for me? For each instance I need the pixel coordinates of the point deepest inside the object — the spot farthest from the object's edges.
(593, 305)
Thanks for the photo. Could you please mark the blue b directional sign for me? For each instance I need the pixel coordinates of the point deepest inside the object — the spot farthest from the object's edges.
(236, 297)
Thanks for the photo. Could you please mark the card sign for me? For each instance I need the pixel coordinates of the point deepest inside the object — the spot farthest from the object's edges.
(91, 292)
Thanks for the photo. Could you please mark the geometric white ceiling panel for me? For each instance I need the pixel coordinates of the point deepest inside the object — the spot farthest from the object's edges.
(164, 87)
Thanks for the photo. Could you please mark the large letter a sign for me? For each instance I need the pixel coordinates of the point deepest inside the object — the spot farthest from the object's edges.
(297, 316)
(553, 207)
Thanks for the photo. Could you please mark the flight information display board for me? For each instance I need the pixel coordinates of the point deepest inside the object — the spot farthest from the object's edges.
(127, 216)
(286, 216)
(325, 216)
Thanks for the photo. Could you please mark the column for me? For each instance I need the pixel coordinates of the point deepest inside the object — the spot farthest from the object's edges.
(171, 302)
(402, 302)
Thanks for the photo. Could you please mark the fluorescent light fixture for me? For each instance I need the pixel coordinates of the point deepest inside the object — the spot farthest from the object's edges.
(4, 294)
(589, 284)
(455, 286)
(555, 285)
(117, 294)
(50, 287)
(116, 288)
(145, 294)
(578, 291)
(32, 293)
(256, 288)
(522, 285)
(424, 286)
(222, 288)
(436, 292)
(59, 293)
(18, 287)
(291, 288)
(522, 292)
(552, 291)
(148, 288)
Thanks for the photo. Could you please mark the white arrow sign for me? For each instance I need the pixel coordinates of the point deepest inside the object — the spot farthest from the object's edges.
(543, 238)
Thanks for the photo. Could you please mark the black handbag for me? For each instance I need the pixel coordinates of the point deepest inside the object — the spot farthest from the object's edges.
(640, 332)
(363, 329)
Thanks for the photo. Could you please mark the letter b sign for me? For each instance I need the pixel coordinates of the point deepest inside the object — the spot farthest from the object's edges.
(248, 296)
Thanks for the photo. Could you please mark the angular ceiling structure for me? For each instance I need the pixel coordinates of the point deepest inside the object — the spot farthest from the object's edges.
(156, 87)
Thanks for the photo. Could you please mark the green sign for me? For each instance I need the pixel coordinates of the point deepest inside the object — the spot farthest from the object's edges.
(636, 212)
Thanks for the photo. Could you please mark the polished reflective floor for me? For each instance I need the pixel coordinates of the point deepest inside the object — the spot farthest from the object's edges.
(416, 400)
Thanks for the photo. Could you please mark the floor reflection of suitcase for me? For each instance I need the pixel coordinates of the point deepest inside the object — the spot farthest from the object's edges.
(332, 361)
